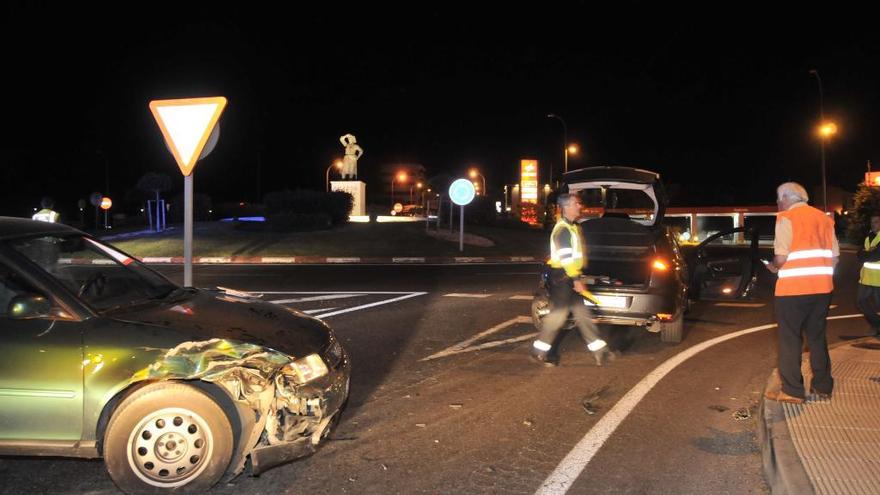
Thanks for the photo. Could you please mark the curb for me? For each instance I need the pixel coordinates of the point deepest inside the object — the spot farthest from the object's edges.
(783, 468)
(322, 260)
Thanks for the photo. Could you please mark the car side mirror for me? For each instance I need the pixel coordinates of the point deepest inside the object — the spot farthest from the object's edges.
(29, 306)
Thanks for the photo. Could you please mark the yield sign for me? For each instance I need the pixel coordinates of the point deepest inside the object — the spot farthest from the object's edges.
(187, 124)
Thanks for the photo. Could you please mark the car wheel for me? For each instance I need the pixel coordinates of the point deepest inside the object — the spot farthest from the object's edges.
(167, 436)
(672, 331)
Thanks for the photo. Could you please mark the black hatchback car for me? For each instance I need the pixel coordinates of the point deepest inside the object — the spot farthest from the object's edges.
(637, 269)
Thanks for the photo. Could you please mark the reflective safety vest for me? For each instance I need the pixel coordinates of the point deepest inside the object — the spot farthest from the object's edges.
(567, 250)
(809, 267)
(46, 215)
(870, 274)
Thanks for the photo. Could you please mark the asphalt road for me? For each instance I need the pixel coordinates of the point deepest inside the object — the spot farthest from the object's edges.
(444, 399)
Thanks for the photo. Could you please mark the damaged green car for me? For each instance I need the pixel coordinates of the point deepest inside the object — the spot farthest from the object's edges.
(174, 387)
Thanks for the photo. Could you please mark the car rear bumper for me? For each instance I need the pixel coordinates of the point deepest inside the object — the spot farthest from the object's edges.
(635, 309)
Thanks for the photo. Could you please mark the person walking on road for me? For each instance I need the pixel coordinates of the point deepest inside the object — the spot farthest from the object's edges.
(868, 298)
(568, 257)
(806, 252)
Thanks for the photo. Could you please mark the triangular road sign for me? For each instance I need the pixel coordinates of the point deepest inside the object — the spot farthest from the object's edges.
(187, 124)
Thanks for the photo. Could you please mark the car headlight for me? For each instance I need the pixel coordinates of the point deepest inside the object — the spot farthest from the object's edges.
(306, 369)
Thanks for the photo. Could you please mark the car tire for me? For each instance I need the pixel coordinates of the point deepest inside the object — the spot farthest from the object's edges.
(167, 437)
(672, 331)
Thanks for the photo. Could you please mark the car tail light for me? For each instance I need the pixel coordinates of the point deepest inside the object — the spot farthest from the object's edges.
(660, 265)
(664, 316)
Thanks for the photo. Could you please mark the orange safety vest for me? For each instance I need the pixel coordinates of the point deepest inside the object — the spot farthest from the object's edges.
(809, 267)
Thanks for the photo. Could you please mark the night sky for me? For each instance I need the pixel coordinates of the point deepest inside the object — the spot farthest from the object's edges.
(720, 102)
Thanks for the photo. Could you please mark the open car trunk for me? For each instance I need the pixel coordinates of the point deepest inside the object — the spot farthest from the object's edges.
(619, 252)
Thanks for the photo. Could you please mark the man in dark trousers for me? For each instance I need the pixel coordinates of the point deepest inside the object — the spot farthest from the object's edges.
(868, 298)
(568, 257)
(806, 252)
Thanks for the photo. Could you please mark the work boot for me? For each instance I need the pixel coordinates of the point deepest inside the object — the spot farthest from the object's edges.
(543, 359)
(604, 356)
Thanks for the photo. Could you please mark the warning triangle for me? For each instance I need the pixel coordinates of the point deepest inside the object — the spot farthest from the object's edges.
(186, 125)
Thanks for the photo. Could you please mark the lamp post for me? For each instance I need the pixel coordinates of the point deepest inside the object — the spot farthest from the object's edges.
(337, 164)
(401, 177)
(823, 137)
(473, 173)
(564, 143)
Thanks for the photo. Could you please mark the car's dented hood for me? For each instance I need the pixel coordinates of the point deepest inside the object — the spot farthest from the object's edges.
(206, 314)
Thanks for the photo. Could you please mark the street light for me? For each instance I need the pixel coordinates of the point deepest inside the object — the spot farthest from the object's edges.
(417, 185)
(401, 177)
(473, 173)
(564, 142)
(337, 164)
(825, 132)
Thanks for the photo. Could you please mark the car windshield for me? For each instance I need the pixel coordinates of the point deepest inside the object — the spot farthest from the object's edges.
(101, 276)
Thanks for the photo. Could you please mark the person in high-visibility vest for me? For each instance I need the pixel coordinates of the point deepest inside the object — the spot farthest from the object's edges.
(868, 298)
(47, 214)
(806, 252)
(568, 257)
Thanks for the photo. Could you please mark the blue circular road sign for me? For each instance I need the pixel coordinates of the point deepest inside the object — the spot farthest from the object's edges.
(462, 192)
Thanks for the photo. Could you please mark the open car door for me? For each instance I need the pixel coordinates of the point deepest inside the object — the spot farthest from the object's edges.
(724, 266)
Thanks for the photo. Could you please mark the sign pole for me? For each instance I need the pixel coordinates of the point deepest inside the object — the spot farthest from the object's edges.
(461, 230)
(187, 230)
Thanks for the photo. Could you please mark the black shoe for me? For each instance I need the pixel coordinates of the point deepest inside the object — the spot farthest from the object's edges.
(544, 360)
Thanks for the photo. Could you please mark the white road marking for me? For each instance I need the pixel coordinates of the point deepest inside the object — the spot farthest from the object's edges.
(568, 471)
(323, 297)
(740, 305)
(461, 346)
(522, 298)
(310, 311)
(833, 306)
(457, 294)
(364, 306)
(414, 259)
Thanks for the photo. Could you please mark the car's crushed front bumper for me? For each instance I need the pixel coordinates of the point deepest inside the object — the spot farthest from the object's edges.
(300, 418)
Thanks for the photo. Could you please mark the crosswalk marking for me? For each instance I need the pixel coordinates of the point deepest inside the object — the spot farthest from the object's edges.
(522, 298)
(457, 294)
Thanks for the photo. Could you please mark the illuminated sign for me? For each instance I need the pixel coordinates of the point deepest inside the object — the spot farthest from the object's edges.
(462, 192)
(186, 125)
(872, 179)
(528, 181)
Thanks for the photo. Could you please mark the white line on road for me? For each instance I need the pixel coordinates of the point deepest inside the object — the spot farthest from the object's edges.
(379, 303)
(457, 348)
(567, 472)
(740, 305)
(334, 292)
(323, 297)
(310, 311)
(522, 298)
(457, 294)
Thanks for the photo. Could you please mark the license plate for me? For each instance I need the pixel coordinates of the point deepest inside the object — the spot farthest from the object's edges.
(609, 301)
